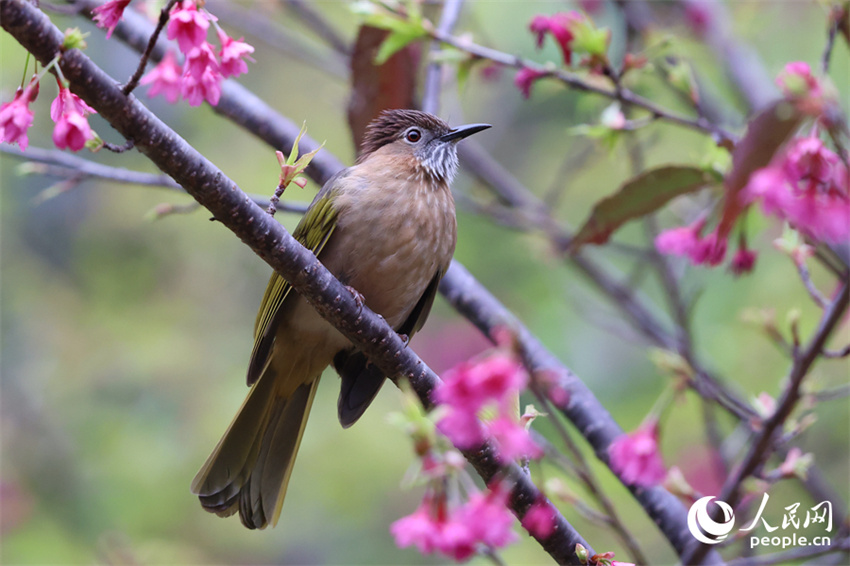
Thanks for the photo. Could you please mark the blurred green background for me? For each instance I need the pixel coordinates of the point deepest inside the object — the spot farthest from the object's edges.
(125, 340)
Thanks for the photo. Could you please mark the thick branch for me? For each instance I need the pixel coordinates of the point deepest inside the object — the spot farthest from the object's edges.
(233, 208)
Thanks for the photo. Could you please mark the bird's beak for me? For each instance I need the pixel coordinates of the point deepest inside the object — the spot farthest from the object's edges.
(463, 131)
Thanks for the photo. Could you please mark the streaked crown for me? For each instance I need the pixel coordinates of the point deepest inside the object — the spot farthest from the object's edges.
(430, 140)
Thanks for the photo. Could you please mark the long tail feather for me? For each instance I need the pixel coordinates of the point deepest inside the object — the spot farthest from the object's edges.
(250, 467)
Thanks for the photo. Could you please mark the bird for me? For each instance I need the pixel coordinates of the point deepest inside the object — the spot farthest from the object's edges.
(386, 228)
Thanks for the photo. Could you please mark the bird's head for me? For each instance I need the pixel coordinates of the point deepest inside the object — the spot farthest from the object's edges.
(428, 143)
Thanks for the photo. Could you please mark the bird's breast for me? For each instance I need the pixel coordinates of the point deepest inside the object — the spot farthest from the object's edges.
(390, 240)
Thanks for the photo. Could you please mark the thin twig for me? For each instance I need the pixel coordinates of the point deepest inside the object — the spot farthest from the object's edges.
(69, 166)
(129, 144)
(434, 72)
(834, 22)
(806, 278)
(762, 441)
(140, 70)
(624, 95)
(839, 392)
(842, 353)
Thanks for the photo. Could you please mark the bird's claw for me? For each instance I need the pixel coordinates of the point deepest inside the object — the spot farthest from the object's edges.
(358, 296)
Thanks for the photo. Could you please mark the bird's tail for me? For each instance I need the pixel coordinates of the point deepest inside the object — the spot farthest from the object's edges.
(249, 469)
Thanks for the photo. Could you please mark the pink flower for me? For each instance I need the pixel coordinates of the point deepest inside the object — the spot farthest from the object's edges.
(201, 78)
(525, 78)
(108, 14)
(456, 540)
(462, 427)
(559, 25)
(231, 54)
(187, 25)
(679, 241)
(16, 117)
(165, 78)
(539, 520)
(471, 385)
(433, 528)
(743, 261)
(487, 517)
(710, 249)
(420, 528)
(540, 27)
(72, 129)
(513, 440)
(199, 59)
(206, 87)
(635, 456)
(66, 102)
(808, 187)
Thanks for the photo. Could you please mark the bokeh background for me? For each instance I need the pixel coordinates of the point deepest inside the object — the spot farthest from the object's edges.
(125, 340)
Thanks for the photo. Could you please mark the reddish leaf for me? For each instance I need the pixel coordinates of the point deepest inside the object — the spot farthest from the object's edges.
(766, 133)
(639, 196)
(379, 87)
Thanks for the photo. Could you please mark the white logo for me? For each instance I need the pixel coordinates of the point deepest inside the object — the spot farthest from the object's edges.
(703, 527)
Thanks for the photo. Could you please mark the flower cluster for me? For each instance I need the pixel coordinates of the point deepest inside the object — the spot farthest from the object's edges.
(455, 530)
(809, 187)
(806, 185)
(574, 33)
(635, 456)
(471, 388)
(108, 14)
(204, 67)
(68, 111)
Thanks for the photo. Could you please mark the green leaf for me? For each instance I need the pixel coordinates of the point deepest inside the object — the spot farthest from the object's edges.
(398, 40)
(638, 197)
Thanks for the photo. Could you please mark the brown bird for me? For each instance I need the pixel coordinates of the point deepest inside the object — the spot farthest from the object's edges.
(385, 227)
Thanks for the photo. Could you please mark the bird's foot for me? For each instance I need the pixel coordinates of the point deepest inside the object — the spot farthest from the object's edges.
(358, 296)
(404, 338)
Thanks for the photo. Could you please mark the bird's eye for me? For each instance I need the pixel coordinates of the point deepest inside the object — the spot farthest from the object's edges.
(413, 135)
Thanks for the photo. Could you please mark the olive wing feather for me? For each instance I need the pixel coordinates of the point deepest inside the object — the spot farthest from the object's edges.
(313, 232)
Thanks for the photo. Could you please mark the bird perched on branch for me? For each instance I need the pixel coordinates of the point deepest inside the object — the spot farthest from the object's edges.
(385, 227)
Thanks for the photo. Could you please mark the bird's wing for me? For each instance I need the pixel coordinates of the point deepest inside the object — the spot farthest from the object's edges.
(361, 380)
(313, 233)
(420, 312)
